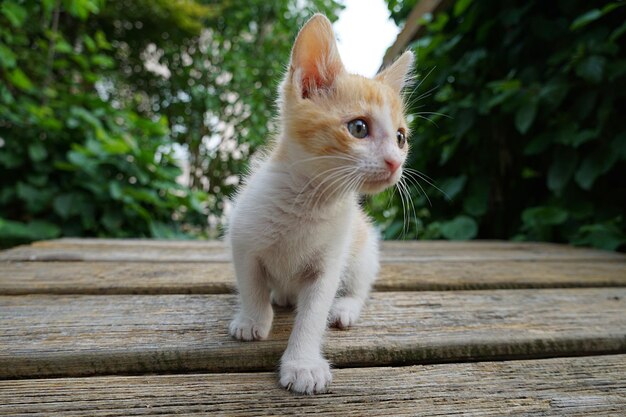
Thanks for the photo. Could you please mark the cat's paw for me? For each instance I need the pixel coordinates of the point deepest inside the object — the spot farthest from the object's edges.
(345, 312)
(306, 376)
(280, 299)
(243, 328)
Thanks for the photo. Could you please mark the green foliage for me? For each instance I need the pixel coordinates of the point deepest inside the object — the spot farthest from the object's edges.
(99, 100)
(219, 89)
(524, 131)
(71, 162)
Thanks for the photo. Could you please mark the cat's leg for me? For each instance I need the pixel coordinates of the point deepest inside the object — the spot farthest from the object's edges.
(254, 319)
(303, 369)
(357, 279)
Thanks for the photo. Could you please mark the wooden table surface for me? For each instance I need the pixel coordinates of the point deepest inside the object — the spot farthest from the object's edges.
(139, 327)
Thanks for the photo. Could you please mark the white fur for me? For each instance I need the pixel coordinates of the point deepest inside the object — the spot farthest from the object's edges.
(298, 236)
(275, 240)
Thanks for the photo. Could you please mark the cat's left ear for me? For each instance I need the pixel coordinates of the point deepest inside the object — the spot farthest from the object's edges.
(315, 61)
(397, 75)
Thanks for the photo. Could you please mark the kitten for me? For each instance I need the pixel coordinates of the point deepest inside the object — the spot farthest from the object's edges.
(297, 233)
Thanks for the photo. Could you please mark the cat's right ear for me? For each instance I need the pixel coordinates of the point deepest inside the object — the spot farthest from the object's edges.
(315, 61)
(398, 74)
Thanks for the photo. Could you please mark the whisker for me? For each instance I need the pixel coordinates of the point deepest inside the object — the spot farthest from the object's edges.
(403, 195)
(414, 181)
(410, 201)
(425, 77)
(433, 112)
(426, 118)
(401, 199)
(428, 180)
(337, 177)
(419, 172)
(332, 173)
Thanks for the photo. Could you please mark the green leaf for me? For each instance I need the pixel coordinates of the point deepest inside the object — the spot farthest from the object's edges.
(37, 152)
(20, 80)
(525, 116)
(85, 115)
(460, 228)
(7, 57)
(618, 32)
(591, 68)
(586, 18)
(15, 13)
(538, 144)
(161, 230)
(570, 136)
(63, 47)
(606, 236)
(112, 221)
(34, 230)
(477, 200)
(81, 8)
(68, 204)
(453, 186)
(594, 165)
(562, 169)
(103, 61)
(36, 199)
(544, 216)
(115, 190)
(593, 15)
(394, 230)
(10, 160)
(90, 43)
(460, 6)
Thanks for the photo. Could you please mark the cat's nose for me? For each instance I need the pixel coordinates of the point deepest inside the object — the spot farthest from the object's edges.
(392, 164)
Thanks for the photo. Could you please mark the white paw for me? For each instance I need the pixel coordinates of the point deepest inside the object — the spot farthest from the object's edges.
(305, 376)
(280, 299)
(344, 312)
(243, 328)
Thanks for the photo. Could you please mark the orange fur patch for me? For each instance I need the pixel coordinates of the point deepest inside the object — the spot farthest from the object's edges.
(318, 123)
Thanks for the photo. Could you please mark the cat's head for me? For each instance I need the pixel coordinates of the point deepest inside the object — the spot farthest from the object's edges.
(340, 123)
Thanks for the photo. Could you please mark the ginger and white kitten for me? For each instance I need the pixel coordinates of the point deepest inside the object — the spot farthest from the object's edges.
(297, 232)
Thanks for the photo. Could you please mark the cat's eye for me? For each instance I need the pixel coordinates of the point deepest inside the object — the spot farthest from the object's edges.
(358, 128)
(401, 138)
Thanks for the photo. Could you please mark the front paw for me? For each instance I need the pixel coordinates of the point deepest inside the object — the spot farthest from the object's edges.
(344, 312)
(305, 376)
(243, 328)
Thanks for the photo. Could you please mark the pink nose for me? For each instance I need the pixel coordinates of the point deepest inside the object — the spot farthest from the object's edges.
(392, 164)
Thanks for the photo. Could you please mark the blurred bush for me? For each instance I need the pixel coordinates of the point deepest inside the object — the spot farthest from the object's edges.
(99, 99)
(517, 116)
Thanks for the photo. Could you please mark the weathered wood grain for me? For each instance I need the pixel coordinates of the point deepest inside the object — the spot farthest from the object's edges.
(561, 386)
(212, 251)
(18, 278)
(50, 335)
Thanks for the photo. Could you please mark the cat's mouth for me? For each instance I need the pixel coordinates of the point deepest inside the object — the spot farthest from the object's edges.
(376, 185)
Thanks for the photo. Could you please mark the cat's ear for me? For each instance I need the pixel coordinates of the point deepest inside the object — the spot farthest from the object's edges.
(398, 74)
(315, 61)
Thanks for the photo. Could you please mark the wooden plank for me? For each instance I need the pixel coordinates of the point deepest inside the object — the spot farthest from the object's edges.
(562, 386)
(213, 251)
(17, 278)
(50, 335)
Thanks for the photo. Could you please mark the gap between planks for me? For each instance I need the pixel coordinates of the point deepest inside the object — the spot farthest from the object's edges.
(560, 386)
(50, 335)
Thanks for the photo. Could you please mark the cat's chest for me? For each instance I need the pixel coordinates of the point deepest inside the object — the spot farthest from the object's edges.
(302, 246)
